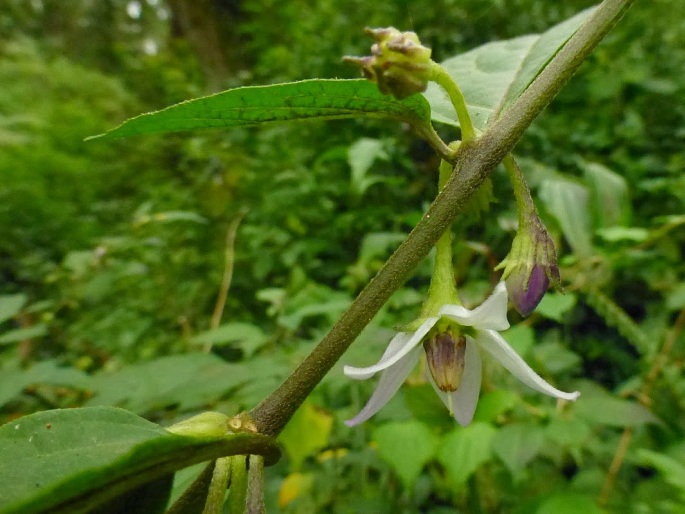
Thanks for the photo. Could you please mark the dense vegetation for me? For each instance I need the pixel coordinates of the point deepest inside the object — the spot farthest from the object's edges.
(114, 255)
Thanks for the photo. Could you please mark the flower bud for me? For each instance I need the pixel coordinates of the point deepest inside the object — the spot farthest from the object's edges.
(530, 266)
(399, 63)
(445, 357)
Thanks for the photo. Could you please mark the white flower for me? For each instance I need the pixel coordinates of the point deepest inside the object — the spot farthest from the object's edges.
(404, 351)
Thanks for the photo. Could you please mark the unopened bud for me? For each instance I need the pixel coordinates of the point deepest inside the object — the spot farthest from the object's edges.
(531, 266)
(445, 357)
(399, 63)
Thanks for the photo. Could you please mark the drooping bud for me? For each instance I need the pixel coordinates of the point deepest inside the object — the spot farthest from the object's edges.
(399, 63)
(445, 357)
(531, 265)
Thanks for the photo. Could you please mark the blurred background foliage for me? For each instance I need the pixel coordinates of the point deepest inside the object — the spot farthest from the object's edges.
(113, 255)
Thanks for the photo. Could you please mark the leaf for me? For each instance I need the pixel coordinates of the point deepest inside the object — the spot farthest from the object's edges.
(426, 406)
(10, 305)
(71, 461)
(672, 470)
(598, 406)
(494, 75)
(676, 298)
(556, 305)
(464, 450)
(149, 498)
(188, 381)
(360, 156)
(569, 503)
(518, 444)
(629, 234)
(248, 106)
(610, 198)
(494, 403)
(293, 486)
(14, 381)
(568, 202)
(521, 337)
(555, 357)
(541, 52)
(407, 446)
(249, 338)
(21, 334)
(306, 433)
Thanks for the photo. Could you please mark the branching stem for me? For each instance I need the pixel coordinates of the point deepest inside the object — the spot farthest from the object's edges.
(474, 162)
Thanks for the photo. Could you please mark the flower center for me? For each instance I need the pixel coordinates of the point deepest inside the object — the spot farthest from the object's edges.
(445, 357)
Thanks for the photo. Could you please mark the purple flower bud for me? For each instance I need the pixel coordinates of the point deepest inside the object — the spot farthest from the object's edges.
(445, 358)
(399, 64)
(531, 266)
(527, 296)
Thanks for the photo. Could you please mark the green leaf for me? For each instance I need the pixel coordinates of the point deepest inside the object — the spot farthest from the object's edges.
(598, 406)
(71, 461)
(20, 334)
(464, 450)
(360, 156)
(569, 203)
(307, 432)
(187, 381)
(555, 357)
(628, 234)
(14, 380)
(10, 305)
(426, 406)
(556, 305)
(676, 297)
(494, 75)
(518, 444)
(610, 198)
(521, 337)
(569, 503)
(672, 470)
(248, 338)
(149, 498)
(494, 403)
(407, 446)
(247, 106)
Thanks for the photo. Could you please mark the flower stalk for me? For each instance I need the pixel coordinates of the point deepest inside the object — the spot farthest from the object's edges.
(531, 265)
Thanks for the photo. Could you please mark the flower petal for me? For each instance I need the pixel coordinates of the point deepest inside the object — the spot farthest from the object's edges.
(491, 314)
(400, 346)
(464, 400)
(495, 345)
(390, 381)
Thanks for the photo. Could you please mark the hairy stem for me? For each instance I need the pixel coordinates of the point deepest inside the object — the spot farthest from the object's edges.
(524, 201)
(474, 162)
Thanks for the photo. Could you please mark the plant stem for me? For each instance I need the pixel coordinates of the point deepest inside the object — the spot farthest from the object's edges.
(524, 201)
(474, 162)
(229, 258)
(442, 288)
(440, 76)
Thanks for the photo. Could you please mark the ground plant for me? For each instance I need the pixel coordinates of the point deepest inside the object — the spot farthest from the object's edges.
(449, 282)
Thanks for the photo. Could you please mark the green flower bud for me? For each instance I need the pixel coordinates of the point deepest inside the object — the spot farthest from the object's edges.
(399, 64)
(209, 424)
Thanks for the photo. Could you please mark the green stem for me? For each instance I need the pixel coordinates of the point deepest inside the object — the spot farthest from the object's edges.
(443, 288)
(524, 201)
(474, 163)
(440, 76)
